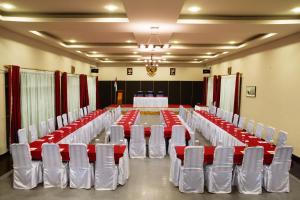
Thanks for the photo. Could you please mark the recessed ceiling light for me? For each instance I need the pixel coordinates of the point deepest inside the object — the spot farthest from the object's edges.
(78, 51)
(195, 59)
(175, 42)
(72, 41)
(135, 52)
(232, 42)
(111, 7)
(94, 52)
(194, 9)
(36, 33)
(226, 52)
(296, 10)
(7, 6)
(106, 59)
(128, 41)
(168, 53)
(209, 53)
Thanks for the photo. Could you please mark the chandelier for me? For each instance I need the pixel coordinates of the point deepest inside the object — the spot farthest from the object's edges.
(154, 42)
(152, 62)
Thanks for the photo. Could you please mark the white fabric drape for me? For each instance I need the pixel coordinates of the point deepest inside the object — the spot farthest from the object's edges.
(37, 97)
(92, 92)
(210, 88)
(227, 92)
(73, 93)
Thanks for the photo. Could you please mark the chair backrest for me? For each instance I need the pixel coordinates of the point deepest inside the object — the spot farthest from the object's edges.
(81, 114)
(65, 119)
(270, 131)
(88, 109)
(178, 135)
(137, 133)
(241, 123)
(104, 156)
(223, 156)
(193, 157)
(219, 110)
(229, 117)
(259, 130)
(22, 136)
(253, 159)
(51, 156)
(33, 133)
(250, 126)
(21, 155)
(78, 156)
(51, 124)
(85, 111)
(236, 119)
(157, 134)
(59, 121)
(282, 159)
(43, 129)
(116, 134)
(70, 117)
(282, 137)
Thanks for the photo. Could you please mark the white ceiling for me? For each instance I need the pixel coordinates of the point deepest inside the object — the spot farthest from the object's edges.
(101, 34)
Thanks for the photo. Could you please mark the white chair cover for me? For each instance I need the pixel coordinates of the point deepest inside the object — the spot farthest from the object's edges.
(51, 125)
(282, 137)
(117, 135)
(242, 122)
(157, 144)
(259, 130)
(229, 117)
(270, 131)
(27, 174)
(55, 171)
(81, 114)
(43, 129)
(22, 136)
(65, 119)
(250, 127)
(106, 171)
(177, 138)
(248, 176)
(276, 175)
(235, 119)
(70, 117)
(137, 147)
(218, 176)
(59, 122)
(191, 179)
(33, 133)
(85, 112)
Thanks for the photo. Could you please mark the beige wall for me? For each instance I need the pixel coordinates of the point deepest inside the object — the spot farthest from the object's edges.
(28, 53)
(184, 72)
(275, 70)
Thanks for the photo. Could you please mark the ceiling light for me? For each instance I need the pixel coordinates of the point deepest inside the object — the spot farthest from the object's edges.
(142, 46)
(166, 46)
(135, 52)
(196, 59)
(226, 52)
(106, 59)
(232, 42)
(78, 51)
(209, 53)
(94, 52)
(269, 35)
(194, 9)
(111, 7)
(128, 41)
(7, 6)
(296, 10)
(72, 41)
(168, 53)
(36, 33)
(175, 42)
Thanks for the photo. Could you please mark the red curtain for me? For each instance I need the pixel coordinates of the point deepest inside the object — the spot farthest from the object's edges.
(217, 90)
(64, 93)
(57, 93)
(237, 96)
(14, 102)
(97, 94)
(84, 94)
(204, 96)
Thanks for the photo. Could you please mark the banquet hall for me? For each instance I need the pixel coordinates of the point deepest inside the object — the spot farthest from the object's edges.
(145, 99)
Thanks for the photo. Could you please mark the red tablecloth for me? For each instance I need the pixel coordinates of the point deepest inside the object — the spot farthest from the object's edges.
(237, 159)
(127, 120)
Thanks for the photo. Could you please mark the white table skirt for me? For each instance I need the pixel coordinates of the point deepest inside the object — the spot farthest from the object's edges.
(161, 102)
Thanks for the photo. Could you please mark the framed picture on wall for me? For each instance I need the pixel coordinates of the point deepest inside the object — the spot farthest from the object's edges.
(129, 71)
(251, 91)
(172, 71)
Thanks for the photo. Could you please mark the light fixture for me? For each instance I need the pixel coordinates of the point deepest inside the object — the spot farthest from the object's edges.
(225, 52)
(94, 52)
(128, 41)
(78, 51)
(168, 53)
(175, 42)
(111, 7)
(72, 41)
(154, 42)
(7, 6)
(105, 58)
(209, 53)
(152, 62)
(269, 35)
(195, 59)
(194, 9)
(135, 52)
(296, 10)
(37, 33)
(232, 42)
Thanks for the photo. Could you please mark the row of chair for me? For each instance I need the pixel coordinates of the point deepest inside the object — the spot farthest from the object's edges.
(53, 172)
(219, 177)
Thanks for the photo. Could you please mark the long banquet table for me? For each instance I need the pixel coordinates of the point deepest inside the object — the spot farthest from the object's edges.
(150, 102)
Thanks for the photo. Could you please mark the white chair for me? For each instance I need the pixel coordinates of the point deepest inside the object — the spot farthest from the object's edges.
(81, 114)
(106, 171)
(33, 133)
(85, 112)
(88, 109)
(250, 127)
(276, 175)
(54, 170)
(282, 138)
(43, 129)
(22, 136)
(157, 143)
(248, 176)
(218, 176)
(241, 123)
(229, 117)
(65, 119)
(177, 138)
(81, 171)
(191, 179)
(59, 122)
(51, 125)
(137, 147)
(117, 135)
(259, 130)
(70, 117)
(236, 119)
(27, 174)
(270, 131)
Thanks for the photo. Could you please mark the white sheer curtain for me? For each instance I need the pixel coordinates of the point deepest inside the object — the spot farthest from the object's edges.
(73, 93)
(37, 97)
(92, 92)
(227, 92)
(210, 88)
